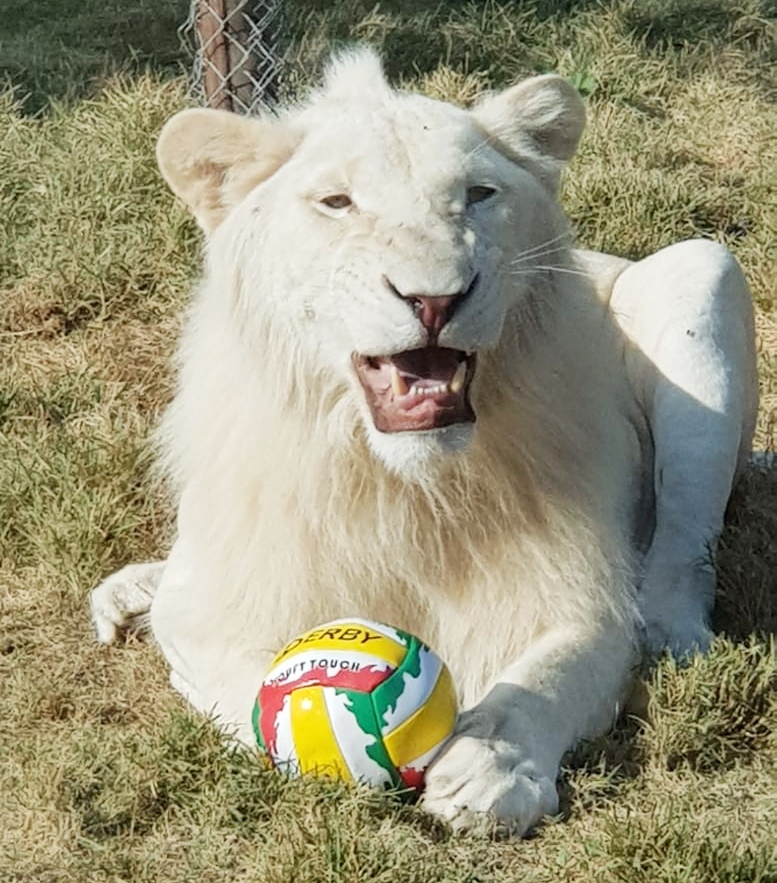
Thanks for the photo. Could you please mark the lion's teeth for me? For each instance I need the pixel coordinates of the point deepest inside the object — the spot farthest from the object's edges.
(420, 391)
(457, 384)
(398, 385)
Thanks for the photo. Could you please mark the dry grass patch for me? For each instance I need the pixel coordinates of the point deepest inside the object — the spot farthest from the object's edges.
(104, 775)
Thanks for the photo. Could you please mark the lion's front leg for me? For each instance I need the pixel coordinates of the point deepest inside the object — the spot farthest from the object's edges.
(503, 760)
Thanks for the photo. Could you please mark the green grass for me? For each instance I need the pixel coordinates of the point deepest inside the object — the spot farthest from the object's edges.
(104, 774)
(55, 50)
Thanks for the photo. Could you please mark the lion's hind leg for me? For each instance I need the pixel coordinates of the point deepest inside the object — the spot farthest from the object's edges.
(121, 604)
(688, 310)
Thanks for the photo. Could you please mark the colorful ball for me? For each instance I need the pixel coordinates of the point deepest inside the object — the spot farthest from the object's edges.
(357, 700)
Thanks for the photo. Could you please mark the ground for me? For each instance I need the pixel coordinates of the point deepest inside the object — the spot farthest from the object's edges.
(104, 774)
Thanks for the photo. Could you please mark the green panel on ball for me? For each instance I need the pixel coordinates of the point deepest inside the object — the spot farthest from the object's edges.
(255, 718)
(364, 712)
(386, 695)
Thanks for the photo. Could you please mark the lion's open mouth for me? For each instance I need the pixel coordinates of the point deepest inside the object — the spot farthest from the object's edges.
(418, 389)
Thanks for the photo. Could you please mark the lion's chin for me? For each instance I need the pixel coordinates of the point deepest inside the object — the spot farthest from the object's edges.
(419, 457)
(417, 390)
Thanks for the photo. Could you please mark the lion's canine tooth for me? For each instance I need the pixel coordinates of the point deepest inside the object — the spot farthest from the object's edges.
(457, 384)
(398, 385)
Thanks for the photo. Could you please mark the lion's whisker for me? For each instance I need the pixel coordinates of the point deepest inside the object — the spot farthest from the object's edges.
(530, 252)
(478, 147)
(536, 255)
(529, 270)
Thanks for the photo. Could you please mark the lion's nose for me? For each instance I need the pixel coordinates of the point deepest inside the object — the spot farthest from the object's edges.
(434, 311)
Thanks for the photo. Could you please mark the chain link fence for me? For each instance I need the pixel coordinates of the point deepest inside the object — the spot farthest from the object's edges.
(239, 53)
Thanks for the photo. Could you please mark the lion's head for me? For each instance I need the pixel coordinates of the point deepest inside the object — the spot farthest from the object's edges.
(383, 247)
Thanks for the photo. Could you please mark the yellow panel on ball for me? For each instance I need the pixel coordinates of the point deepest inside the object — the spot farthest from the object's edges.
(315, 744)
(360, 635)
(427, 729)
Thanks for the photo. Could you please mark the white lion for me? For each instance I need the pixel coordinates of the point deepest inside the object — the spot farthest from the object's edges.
(403, 396)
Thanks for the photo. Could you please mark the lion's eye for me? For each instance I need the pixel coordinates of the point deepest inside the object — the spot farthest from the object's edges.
(337, 200)
(479, 194)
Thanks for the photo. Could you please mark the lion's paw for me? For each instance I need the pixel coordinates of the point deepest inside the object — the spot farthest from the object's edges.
(682, 638)
(676, 602)
(121, 603)
(477, 783)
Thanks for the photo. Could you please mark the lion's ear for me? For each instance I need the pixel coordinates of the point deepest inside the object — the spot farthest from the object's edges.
(213, 158)
(541, 119)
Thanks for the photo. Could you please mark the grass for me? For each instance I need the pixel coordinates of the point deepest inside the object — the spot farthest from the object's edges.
(104, 774)
(65, 49)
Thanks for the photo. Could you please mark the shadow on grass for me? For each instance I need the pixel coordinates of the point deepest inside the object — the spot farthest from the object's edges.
(56, 50)
(595, 771)
(63, 50)
(747, 560)
(675, 24)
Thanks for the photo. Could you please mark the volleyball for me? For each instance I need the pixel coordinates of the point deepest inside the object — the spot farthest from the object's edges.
(356, 700)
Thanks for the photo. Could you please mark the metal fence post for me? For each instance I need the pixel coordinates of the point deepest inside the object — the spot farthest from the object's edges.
(237, 52)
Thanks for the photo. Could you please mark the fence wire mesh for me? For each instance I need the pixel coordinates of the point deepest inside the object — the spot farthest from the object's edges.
(239, 53)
